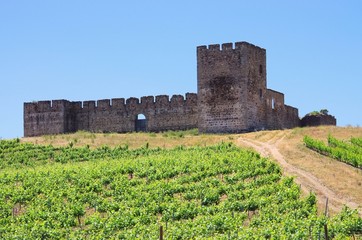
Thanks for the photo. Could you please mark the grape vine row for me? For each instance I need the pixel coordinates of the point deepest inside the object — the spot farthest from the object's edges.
(218, 192)
(348, 152)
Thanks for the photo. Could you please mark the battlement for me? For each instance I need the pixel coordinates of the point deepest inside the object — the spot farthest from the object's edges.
(228, 47)
(76, 105)
(46, 106)
(147, 100)
(238, 61)
(108, 104)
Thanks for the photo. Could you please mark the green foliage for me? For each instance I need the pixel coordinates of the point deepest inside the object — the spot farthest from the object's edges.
(324, 111)
(152, 134)
(356, 141)
(181, 134)
(347, 222)
(348, 152)
(316, 113)
(218, 192)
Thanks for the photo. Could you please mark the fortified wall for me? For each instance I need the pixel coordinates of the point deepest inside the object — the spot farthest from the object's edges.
(111, 115)
(232, 97)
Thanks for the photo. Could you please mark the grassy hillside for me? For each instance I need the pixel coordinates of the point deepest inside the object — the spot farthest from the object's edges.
(216, 192)
(343, 180)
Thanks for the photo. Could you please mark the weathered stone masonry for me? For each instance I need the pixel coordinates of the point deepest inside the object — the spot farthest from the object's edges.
(232, 97)
(232, 92)
(317, 120)
(115, 115)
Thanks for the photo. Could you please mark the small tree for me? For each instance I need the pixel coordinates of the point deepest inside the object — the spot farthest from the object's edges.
(324, 111)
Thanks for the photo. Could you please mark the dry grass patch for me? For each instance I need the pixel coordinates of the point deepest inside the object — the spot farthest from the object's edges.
(168, 139)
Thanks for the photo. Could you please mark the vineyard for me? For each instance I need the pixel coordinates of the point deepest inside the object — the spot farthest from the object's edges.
(349, 152)
(216, 192)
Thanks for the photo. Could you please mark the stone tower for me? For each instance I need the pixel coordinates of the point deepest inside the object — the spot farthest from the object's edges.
(231, 84)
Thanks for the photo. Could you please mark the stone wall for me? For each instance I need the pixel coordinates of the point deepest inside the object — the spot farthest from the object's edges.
(278, 114)
(45, 117)
(317, 120)
(110, 115)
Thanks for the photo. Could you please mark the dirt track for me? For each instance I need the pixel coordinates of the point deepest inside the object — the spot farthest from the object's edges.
(307, 181)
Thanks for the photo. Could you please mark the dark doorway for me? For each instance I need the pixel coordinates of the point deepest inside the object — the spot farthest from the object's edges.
(141, 123)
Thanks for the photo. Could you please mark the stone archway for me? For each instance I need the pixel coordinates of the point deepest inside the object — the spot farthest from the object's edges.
(141, 123)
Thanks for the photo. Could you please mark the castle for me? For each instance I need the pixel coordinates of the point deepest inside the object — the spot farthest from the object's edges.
(232, 97)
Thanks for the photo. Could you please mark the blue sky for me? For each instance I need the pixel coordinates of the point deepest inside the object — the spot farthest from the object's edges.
(89, 50)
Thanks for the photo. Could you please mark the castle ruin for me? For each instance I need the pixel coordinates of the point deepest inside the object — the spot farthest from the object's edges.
(232, 97)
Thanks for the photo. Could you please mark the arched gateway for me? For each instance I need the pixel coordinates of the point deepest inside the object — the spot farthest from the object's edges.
(141, 123)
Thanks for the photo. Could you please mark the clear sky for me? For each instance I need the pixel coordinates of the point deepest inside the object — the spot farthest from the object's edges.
(89, 50)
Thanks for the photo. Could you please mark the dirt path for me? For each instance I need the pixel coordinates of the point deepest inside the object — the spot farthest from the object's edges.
(307, 181)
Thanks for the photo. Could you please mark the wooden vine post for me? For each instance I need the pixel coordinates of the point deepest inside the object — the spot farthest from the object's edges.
(161, 232)
(325, 225)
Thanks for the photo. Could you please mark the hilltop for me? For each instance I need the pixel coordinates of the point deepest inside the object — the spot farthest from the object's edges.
(325, 177)
(81, 187)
